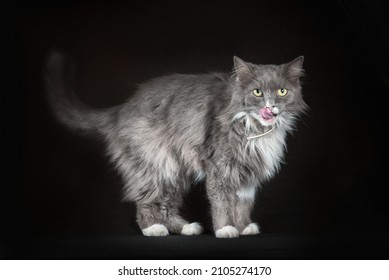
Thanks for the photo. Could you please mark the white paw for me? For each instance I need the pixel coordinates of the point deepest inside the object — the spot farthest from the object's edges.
(227, 232)
(155, 230)
(252, 228)
(192, 229)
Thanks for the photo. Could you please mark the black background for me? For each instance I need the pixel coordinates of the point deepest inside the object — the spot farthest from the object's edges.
(328, 202)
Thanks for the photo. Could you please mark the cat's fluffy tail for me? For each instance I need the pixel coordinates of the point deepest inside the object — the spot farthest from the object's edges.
(68, 108)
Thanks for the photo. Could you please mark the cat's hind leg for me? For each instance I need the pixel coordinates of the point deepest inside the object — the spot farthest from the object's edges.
(161, 218)
(192, 229)
(175, 222)
(149, 220)
(158, 194)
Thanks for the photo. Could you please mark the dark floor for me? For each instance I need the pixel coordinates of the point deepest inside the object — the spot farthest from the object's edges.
(62, 199)
(265, 246)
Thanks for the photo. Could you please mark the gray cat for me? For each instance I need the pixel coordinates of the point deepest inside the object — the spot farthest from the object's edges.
(228, 130)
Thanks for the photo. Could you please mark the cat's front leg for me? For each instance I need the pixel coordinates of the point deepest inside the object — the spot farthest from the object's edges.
(222, 207)
(243, 209)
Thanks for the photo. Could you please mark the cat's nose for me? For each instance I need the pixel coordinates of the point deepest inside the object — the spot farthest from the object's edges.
(269, 105)
(272, 108)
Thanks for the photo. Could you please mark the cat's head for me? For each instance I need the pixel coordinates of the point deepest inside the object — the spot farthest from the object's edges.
(269, 93)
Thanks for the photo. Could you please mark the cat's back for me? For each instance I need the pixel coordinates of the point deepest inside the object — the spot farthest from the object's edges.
(182, 86)
(177, 96)
(173, 103)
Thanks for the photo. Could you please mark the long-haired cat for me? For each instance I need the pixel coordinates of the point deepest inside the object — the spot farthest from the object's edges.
(227, 129)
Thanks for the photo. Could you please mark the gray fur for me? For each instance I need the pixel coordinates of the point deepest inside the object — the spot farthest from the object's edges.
(181, 129)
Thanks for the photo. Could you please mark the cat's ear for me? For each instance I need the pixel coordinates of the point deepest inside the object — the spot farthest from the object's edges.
(242, 70)
(294, 69)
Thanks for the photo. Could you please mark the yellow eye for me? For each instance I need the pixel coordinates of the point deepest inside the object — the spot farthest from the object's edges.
(282, 92)
(257, 92)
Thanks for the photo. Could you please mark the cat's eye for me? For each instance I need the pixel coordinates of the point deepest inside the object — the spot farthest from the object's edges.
(282, 91)
(257, 92)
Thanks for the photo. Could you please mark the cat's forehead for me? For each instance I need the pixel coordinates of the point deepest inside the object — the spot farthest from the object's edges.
(268, 73)
(267, 76)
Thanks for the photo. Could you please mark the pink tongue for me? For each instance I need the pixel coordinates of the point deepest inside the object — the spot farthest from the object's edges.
(266, 113)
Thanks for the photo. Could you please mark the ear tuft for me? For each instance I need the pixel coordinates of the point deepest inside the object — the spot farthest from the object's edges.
(241, 69)
(294, 69)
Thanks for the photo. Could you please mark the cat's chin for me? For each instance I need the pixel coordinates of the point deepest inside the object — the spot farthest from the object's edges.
(267, 122)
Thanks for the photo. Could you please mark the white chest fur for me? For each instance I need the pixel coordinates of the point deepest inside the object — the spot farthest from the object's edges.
(270, 149)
